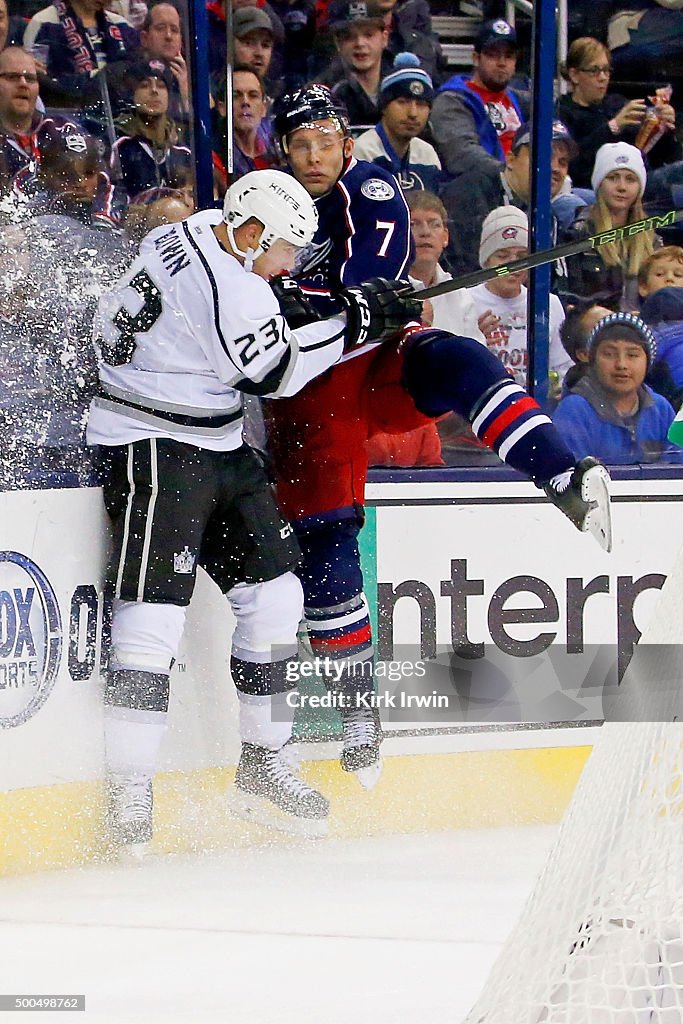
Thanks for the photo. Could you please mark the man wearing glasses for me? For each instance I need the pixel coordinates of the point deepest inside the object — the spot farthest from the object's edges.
(25, 133)
(18, 119)
(595, 116)
(23, 129)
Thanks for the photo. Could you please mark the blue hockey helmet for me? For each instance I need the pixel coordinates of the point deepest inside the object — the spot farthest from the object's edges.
(305, 107)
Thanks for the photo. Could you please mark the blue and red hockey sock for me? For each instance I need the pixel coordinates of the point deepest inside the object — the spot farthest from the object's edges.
(445, 372)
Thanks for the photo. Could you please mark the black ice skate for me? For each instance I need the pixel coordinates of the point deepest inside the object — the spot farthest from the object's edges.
(267, 792)
(583, 495)
(129, 814)
(362, 735)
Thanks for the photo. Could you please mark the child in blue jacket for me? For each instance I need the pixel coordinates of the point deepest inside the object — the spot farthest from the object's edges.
(611, 411)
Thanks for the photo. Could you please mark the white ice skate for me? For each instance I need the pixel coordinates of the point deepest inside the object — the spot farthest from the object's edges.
(361, 741)
(267, 792)
(583, 495)
(129, 815)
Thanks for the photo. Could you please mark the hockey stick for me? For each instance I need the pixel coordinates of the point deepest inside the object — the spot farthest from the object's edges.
(558, 252)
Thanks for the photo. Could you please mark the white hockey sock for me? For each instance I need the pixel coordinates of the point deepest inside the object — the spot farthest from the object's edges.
(266, 721)
(132, 740)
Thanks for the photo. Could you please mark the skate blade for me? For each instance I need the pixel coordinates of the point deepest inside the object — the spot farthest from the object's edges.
(369, 776)
(595, 491)
(132, 853)
(259, 811)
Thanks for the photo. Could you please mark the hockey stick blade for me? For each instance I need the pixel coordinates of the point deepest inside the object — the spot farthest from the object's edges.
(537, 259)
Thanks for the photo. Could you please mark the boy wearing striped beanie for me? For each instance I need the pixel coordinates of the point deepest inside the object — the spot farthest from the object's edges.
(611, 411)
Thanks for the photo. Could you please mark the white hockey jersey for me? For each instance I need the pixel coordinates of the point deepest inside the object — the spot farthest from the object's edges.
(184, 332)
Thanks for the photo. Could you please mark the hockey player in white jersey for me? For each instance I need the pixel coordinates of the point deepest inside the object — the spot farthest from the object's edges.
(192, 325)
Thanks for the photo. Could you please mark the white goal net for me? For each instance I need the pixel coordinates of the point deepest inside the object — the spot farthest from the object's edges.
(600, 940)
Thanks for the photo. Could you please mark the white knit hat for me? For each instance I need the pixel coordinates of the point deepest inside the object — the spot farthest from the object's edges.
(617, 156)
(504, 227)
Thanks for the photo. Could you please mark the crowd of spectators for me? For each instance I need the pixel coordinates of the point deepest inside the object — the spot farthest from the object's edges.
(95, 116)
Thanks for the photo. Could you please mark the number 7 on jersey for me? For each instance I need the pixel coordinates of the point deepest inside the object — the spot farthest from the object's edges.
(389, 226)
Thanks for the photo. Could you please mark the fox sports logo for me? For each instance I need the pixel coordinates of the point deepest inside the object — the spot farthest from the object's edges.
(30, 638)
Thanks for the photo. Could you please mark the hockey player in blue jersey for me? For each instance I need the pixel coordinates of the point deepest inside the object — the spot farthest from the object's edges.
(318, 436)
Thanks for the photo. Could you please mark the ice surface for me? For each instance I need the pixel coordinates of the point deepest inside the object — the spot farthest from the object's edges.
(399, 930)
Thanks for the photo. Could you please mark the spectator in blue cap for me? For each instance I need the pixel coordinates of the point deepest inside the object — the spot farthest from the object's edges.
(475, 116)
(71, 180)
(470, 197)
(405, 99)
(565, 202)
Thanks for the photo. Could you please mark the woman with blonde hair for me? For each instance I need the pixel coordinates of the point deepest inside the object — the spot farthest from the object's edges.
(594, 116)
(610, 272)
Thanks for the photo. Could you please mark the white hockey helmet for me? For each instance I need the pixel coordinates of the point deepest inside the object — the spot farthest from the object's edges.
(279, 202)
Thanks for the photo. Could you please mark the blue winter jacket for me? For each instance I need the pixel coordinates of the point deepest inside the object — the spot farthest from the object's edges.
(590, 425)
(488, 137)
(670, 348)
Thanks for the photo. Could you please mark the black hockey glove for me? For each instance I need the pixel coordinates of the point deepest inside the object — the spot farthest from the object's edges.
(375, 311)
(294, 306)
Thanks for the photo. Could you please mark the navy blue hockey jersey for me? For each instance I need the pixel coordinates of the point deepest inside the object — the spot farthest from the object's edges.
(363, 232)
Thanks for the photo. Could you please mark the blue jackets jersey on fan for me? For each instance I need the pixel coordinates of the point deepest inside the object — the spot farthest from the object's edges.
(418, 169)
(75, 52)
(488, 137)
(670, 349)
(143, 166)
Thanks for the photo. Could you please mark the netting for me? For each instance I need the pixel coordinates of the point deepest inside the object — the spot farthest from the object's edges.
(600, 940)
